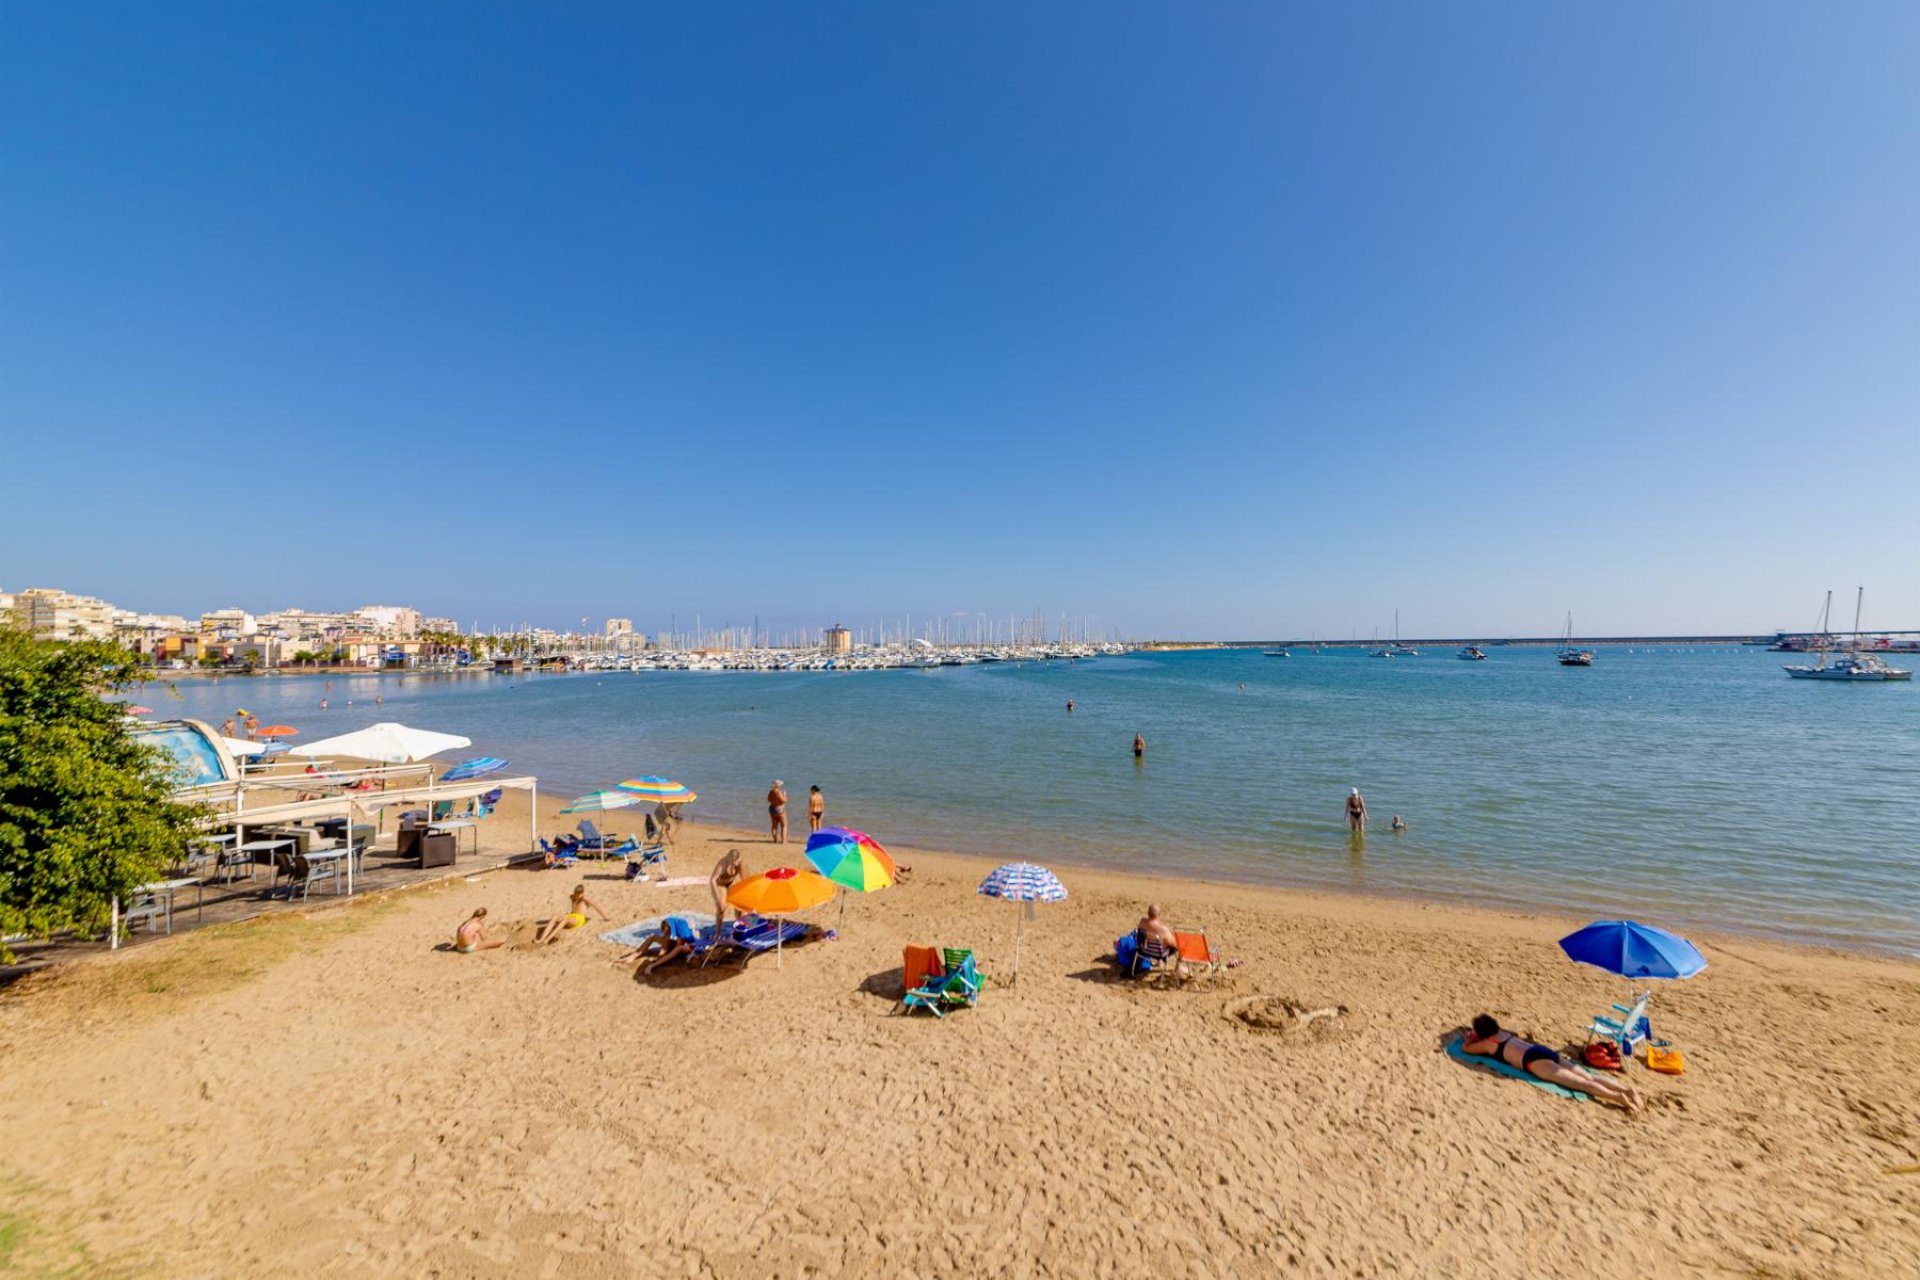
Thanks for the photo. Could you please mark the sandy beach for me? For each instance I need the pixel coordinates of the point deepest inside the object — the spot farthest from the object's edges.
(335, 1093)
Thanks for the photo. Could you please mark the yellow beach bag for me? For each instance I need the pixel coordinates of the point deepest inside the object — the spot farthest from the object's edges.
(1665, 1059)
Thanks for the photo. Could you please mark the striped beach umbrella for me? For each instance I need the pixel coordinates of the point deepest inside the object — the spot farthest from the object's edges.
(478, 767)
(1022, 882)
(664, 790)
(602, 800)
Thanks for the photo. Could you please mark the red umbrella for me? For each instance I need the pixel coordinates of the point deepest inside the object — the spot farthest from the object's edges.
(277, 731)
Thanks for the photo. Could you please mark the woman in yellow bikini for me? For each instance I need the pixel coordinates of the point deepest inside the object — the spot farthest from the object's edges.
(575, 917)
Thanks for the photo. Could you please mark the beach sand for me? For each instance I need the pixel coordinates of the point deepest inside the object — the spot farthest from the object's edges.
(334, 1093)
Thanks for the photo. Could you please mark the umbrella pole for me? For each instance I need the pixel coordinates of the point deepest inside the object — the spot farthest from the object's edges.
(1017, 921)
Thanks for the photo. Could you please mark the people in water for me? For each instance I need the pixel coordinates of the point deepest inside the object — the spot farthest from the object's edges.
(471, 936)
(816, 807)
(1139, 747)
(1356, 811)
(1069, 706)
(777, 811)
(1489, 1041)
(1398, 824)
(726, 873)
(574, 918)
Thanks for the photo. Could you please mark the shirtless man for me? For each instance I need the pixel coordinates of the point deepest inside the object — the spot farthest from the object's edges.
(777, 811)
(1139, 747)
(816, 808)
(1155, 930)
(471, 936)
(1489, 1041)
(726, 873)
(1356, 811)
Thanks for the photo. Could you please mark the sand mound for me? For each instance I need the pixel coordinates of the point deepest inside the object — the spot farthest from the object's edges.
(1299, 1020)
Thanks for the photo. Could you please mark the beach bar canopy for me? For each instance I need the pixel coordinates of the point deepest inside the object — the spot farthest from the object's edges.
(388, 743)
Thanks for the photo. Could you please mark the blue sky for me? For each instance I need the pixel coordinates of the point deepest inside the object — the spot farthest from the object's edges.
(1229, 319)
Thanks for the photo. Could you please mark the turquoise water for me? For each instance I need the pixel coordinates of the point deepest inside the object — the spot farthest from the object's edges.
(1696, 786)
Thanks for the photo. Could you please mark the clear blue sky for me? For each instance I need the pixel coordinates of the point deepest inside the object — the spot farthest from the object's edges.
(1225, 319)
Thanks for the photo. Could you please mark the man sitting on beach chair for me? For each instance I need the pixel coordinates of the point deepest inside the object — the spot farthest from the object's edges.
(1489, 1041)
(1155, 943)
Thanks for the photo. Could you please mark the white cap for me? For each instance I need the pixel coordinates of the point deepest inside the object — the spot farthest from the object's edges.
(1356, 791)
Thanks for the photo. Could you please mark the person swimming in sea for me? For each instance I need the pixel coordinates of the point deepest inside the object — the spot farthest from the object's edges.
(1398, 824)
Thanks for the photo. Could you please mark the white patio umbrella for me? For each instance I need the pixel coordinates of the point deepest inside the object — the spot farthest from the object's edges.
(387, 742)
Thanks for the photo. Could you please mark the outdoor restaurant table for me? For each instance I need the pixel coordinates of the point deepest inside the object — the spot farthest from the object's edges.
(255, 848)
(167, 888)
(457, 825)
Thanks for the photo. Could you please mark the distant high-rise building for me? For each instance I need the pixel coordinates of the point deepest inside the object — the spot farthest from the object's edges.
(619, 627)
(839, 640)
(52, 614)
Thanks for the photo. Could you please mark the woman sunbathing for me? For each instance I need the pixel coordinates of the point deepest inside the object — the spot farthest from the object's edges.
(575, 917)
(1489, 1041)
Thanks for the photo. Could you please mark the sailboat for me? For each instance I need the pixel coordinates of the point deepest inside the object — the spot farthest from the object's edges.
(1853, 666)
(1396, 649)
(1569, 656)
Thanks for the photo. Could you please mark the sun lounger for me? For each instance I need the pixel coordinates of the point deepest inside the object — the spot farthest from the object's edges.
(744, 941)
(957, 988)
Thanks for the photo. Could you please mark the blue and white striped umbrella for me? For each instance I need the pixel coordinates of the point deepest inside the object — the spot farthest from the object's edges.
(1022, 882)
(478, 767)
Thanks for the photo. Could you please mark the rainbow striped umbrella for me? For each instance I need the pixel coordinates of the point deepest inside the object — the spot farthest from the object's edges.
(665, 790)
(602, 800)
(850, 858)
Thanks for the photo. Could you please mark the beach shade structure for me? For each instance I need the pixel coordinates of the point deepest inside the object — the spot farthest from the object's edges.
(1026, 883)
(1633, 950)
(780, 892)
(663, 790)
(273, 731)
(851, 859)
(244, 748)
(478, 767)
(602, 800)
(387, 742)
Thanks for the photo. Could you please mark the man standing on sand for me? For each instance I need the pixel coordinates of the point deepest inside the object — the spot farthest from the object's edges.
(1356, 812)
(777, 811)
(816, 807)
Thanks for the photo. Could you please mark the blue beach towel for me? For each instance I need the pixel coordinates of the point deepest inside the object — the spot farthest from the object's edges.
(686, 924)
(1457, 1051)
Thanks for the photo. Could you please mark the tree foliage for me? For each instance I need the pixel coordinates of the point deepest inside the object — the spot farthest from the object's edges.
(86, 811)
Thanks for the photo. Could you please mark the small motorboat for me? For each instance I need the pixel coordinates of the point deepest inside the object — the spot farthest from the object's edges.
(1473, 653)
(1278, 653)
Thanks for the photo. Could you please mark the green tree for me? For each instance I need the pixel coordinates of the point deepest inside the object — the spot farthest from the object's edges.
(86, 810)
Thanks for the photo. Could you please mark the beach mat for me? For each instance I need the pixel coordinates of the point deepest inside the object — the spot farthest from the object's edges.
(633, 934)
(1457, 1051)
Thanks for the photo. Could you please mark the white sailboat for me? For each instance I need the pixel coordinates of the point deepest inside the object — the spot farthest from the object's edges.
(1567, 654)
(1852, 666)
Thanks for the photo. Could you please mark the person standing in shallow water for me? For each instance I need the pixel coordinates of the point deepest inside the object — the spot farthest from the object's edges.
(777, 811)
(1139, 747)
(1356, 812)
(1069, 706)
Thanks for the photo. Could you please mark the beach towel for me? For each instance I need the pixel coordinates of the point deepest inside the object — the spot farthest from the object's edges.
(1457, 1051)
(634, 934)
(681, 882)
(920, 963)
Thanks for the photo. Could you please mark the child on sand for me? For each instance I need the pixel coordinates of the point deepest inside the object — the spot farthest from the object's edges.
(471, 936)
(575, 917)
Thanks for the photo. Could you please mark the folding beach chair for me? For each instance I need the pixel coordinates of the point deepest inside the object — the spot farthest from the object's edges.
(1198, 955)
(1630, 1029)
(957, 988)
(591, 841)
(562, 854)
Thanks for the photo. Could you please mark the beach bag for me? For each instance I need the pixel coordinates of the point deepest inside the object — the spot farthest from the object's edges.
(1665, 1059)
(1604, 1054)
(1126, 950)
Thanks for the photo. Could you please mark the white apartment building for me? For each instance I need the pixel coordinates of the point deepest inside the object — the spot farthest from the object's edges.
(447, 625)
(394, 620)
(228, 622)
(60, 615)
(310, 624)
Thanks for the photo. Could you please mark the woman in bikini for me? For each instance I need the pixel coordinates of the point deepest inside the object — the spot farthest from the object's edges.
(1489, 1041)
(726, 873)
(471, 936)
(575, 917)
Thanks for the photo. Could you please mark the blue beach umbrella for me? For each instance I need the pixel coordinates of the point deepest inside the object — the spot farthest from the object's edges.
(478, 767)
(1022, 882)
(1633, 950)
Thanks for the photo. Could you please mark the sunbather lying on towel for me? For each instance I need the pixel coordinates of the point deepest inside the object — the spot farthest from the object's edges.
(1489, 1041)
(660, 948)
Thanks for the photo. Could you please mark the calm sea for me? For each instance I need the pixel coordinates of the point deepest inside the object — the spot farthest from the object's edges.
(1695, 786)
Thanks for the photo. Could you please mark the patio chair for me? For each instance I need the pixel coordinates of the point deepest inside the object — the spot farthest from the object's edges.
(304, 872)
(957, 988)
(1629, 1030)
(144, 908)
(442, 810)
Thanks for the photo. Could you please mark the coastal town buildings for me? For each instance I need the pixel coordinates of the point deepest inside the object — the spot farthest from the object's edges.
(838, 639)
(51, 614)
